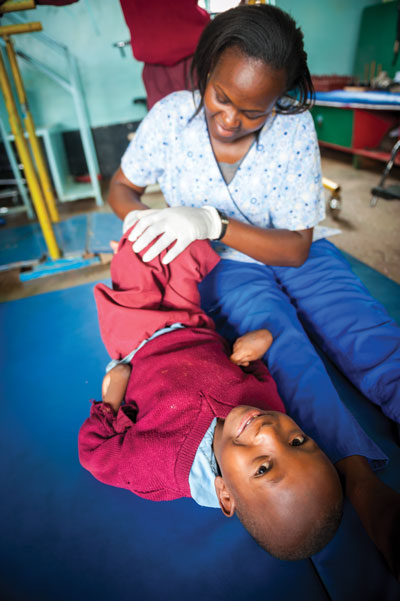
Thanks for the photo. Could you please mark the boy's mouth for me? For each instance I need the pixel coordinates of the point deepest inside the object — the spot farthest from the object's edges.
(246, 421)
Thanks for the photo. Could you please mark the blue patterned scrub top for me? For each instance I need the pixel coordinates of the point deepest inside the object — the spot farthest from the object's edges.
(277, 185)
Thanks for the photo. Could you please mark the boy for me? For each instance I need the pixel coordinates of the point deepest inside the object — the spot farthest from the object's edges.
(194, 417)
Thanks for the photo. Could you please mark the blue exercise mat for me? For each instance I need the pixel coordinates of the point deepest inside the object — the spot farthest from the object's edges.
(26, 244)
(66, 536)
(77, 235)
(103, 227)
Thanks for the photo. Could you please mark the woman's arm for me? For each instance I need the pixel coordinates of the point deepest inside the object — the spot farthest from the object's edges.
(377, 505)
(270, 246)
(123, 196)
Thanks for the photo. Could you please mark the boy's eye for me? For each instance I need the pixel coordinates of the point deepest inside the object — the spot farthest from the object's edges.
(263, 469)
(298, 440)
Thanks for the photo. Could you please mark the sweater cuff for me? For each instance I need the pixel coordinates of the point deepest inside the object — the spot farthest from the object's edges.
(122, 421)
(119, 422)
(102, 410)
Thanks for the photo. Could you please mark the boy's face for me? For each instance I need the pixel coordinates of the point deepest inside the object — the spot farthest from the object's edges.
(268, 462)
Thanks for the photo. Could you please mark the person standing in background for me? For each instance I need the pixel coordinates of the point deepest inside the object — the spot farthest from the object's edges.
(164, 36)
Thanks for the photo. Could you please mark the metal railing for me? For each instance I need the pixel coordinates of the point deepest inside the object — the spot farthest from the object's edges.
(73, 85)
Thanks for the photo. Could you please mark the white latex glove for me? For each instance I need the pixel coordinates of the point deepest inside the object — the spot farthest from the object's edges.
(183, 224)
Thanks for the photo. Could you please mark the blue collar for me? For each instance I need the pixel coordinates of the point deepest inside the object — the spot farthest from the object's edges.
(204, 470)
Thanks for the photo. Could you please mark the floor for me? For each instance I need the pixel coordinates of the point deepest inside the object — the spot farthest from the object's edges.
(64, 535)
(369, 234)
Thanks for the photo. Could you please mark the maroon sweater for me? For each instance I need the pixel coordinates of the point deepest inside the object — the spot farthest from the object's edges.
(179, 382)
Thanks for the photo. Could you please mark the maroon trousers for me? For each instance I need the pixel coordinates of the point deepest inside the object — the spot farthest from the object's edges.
(161, 80)
(149, 296)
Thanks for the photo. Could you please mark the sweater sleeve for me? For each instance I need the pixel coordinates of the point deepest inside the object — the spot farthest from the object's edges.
(105, 443)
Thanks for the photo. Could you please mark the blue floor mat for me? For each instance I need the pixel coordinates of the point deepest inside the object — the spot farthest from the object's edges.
(66, 536)
(103, 227)
(382, 288)
(21, 244)
(75, 236)
(25, 244)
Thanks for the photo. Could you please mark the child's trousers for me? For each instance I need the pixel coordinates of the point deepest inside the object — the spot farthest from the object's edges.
(353, 329)
(148, 296)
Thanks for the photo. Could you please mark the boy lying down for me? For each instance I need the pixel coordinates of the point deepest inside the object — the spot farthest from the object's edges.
(181, 416)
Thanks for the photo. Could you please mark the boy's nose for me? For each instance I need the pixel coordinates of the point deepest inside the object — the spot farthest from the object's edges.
(269, 433)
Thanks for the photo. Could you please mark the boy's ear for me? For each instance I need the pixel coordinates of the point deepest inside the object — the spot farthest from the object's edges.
(226, 501)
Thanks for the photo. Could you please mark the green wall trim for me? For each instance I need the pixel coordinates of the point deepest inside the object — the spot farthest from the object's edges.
(376, 39)
(334, 125)
(330, 30)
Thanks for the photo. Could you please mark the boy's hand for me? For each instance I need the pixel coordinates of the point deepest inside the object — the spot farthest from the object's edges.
(114, 385)
(114, 245)
(251, 346)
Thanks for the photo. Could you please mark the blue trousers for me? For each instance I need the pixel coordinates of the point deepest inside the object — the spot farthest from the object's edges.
(324, 299)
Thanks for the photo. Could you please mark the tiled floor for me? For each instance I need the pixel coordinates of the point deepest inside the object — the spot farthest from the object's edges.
(370, 234)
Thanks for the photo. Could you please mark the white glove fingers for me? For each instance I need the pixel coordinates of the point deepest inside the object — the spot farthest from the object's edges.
(158, 246)
(183, 224)
(144, 219)
(140, 227)
(176, 250)
(129, 220)
(154, 230)
(145, 239)
(136, 215)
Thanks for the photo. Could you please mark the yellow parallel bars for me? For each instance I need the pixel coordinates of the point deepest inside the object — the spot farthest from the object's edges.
(11, 6)
(41, 186)
(30, 128)
(29, 168)
(20, 28)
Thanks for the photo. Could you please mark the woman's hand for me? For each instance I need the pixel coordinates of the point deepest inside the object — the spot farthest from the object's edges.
(251, 346)
(181, 225)
(377, 505)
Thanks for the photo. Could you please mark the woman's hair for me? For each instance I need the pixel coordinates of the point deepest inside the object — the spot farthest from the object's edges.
(261, 32)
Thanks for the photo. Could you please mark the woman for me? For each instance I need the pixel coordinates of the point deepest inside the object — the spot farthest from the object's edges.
(239, 162)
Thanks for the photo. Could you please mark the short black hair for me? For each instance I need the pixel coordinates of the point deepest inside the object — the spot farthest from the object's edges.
(261, 32)
(319, 534)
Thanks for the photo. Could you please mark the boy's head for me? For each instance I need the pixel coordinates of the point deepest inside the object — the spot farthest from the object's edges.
(282, 487)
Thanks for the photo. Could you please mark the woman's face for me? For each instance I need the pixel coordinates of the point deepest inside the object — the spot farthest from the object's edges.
(240, 94)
